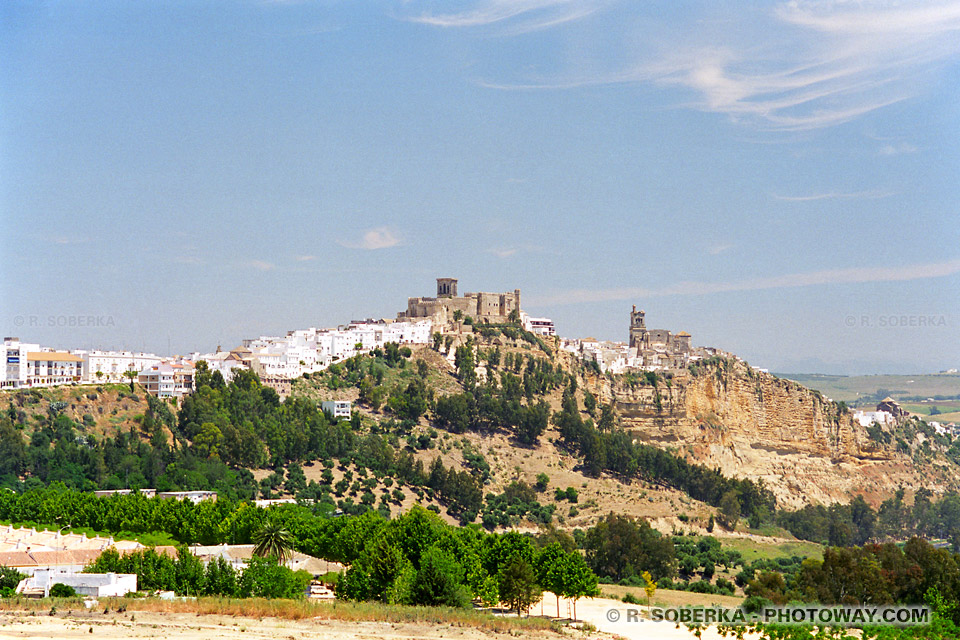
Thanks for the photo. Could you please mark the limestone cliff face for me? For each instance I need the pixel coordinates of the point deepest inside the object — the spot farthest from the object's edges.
(753, 424)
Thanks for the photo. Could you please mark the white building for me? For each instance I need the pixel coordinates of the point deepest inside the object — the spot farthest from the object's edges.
(30, 365)
(867, 418)
(48, 368)
(106, 493)
(110, 366)
(223, 361)
(613, 357)
(337, 408)
(196, 497)
(97, 585)
(14, 357)
(282, 359)
(540, 326)
(168, 379)
(239, 555)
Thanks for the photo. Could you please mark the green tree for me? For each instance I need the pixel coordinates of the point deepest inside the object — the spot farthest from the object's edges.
(264, 578)
(489, 592)
(618, 547)
(208, 441)
(518, 585)
(437, 582)
(549, 568)
(202, 375)
(60, 590)
(131, 376)
(220, 579)
(729, 513)
(10, 577)
(576, 579)
(543, 480)
(272, 540)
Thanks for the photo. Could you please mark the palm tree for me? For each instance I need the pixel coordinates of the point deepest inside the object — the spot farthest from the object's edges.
(273, 540)
(131, 375)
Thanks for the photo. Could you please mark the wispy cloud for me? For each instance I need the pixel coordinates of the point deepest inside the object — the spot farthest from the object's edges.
(507, 252)
(188, 260)
(805, 64)
(835, 195)
(305, 258)
(376, 238)
(855, 275)
(717, 249)
(533, 15)
(897, 149)
(65, 240)
(261, 265)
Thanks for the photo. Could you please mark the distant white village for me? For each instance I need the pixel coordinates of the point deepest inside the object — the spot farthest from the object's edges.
(279, 360)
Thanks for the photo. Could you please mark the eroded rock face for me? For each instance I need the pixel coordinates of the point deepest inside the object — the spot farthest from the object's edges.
(752, 424)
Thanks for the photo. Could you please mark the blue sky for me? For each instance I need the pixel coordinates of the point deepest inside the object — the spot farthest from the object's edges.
(778, 179)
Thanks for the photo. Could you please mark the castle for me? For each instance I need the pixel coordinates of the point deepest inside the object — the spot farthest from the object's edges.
(644, 339)
(481, 307)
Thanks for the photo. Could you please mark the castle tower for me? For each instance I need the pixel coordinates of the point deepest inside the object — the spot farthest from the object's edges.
(638, 328)
(446, 287)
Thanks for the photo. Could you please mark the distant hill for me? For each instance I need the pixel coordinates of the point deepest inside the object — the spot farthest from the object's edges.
(871, 389)
(492, 424)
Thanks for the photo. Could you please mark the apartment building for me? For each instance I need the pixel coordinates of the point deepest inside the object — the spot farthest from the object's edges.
(110, 366)
(168, 379)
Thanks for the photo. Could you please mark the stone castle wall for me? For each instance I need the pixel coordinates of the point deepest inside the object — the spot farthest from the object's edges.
(482, 306)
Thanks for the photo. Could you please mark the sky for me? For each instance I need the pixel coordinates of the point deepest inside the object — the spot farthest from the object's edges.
(779, 179)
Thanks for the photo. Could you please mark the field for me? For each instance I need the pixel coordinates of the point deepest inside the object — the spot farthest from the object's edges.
(116, 619)
(666, 597)
(937, 410)
(760, 550)
(851, 389)
(280, 619)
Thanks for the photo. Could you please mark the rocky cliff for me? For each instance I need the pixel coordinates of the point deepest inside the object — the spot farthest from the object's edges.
(752, 424)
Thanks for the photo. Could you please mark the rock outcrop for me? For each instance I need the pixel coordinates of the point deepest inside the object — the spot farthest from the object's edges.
(806, 448)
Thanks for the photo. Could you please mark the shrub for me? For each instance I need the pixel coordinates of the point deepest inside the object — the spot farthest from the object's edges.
(725, 586)
(702, 586)
(62, 591)
(264, 578)
(754, 604)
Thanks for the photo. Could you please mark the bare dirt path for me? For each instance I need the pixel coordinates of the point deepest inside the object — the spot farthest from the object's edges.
(181, 626)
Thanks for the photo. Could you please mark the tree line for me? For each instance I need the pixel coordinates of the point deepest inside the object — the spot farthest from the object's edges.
(857, 523)
(262, 577)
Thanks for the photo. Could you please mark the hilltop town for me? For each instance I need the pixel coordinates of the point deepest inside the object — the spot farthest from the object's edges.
(462, 415)
(278, 360)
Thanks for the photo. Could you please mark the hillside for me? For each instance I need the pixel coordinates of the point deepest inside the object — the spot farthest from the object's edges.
(804, 447)
(493, 426)
(723, 414)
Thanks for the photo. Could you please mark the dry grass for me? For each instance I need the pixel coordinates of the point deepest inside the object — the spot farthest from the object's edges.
(671, 598)
(299, 610)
